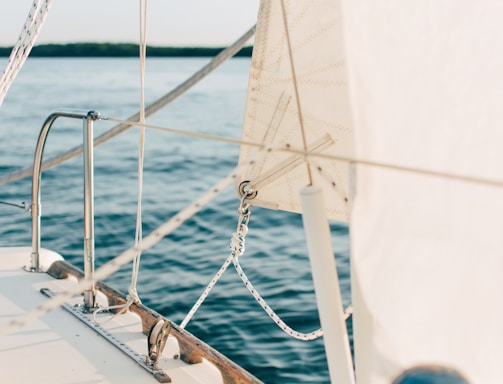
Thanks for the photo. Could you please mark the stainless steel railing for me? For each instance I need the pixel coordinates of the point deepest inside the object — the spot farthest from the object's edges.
(89, 117)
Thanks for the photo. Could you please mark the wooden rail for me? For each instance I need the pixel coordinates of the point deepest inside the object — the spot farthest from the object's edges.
(192, 350)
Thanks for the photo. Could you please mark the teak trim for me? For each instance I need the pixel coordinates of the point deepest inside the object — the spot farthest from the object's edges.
(192, 350)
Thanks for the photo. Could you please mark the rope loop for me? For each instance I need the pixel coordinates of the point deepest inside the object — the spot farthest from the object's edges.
(238, 249)
(237, 246)
(238, 241)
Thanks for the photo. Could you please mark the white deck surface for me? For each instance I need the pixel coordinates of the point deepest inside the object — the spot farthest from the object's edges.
(59, 348)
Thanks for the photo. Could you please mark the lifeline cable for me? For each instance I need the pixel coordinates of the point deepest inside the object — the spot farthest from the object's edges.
(299, 151)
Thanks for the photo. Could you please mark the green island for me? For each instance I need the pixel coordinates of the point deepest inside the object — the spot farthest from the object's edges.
(120, 50)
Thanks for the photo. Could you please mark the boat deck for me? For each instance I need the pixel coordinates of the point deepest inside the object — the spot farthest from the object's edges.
(60, 348)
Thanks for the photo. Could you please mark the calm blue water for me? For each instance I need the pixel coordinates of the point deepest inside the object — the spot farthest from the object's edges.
(177, 170)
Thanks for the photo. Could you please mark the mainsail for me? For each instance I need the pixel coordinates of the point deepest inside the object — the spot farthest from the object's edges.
(298, 99)
(426, 84)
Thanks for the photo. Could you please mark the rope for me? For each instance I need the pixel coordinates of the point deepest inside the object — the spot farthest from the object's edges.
(347, 159)
(206, 292)
(29, 33)
(149, 110)
(237, 246)
(132, 292)
(279, 322)
(311, 154)
(132, 296)
(124, 307)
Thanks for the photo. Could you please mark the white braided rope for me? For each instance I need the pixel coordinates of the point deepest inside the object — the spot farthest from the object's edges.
(132, 291)
(267, 309)
(206, 292)
(29, 33)
(237, 246)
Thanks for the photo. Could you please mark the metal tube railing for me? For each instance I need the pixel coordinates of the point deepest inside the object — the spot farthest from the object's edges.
(88, 117)
(89, 294)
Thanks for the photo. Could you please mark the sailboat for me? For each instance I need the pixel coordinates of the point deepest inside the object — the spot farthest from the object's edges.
(385, 115)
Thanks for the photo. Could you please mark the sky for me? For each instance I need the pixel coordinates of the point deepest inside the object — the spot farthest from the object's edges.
(169, 22)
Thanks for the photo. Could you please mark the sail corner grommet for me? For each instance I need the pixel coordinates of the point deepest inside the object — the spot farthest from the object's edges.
(245, 190)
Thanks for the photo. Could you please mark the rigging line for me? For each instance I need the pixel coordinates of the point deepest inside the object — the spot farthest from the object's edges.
(18, 51)
(157, 105)
(290, 163)
(237, 246)
(406, 169)
(397, 167)
(23, 205)
(272, 314)
(347, 159)
(206, 292)
(29, 33)
(127, 256)
(123, 308)
(296, 89)
(192, 134)
(26, 40)
(132, 292)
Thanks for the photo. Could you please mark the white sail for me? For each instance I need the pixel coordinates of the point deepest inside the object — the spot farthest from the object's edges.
(427, 252)
(281, 111)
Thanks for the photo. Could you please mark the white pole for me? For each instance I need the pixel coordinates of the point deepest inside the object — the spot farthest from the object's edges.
(326, 286)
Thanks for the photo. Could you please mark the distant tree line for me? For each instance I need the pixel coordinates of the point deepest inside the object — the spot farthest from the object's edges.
(120, 50)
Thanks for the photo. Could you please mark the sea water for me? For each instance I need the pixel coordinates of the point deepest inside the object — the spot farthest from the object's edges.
(177, 170)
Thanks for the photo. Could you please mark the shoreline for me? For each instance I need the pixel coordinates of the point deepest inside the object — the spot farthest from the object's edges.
(121, 50)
